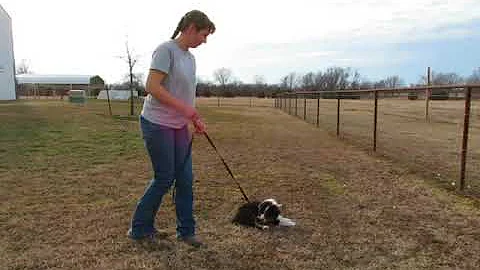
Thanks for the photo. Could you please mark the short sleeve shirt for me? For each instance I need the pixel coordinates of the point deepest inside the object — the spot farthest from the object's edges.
(179, 65)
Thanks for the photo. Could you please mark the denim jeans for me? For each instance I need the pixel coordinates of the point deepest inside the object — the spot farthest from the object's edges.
(171, 156)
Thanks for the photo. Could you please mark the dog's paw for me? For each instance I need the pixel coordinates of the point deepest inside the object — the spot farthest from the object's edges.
(264, 227)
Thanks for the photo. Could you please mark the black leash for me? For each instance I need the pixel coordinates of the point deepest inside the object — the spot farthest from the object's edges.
(226, 166)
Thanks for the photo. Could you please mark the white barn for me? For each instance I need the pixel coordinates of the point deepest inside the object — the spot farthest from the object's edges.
(116, 94)
(7, 62)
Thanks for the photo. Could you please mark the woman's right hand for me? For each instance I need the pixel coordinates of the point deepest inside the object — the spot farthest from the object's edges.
(191, 113)
(199, 126)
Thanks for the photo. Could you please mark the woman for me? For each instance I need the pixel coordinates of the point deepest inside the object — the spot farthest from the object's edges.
(167, 111)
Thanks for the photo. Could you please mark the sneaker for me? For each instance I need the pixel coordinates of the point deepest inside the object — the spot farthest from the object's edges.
(150, 237)
(192, 241)
(156, 241)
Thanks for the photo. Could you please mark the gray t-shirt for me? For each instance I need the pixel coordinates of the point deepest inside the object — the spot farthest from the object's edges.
(180, 82)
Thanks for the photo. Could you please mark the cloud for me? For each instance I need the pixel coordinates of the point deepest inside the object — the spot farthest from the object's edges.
(263, 37)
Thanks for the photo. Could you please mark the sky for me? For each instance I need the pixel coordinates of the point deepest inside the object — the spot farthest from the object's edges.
(378, 38)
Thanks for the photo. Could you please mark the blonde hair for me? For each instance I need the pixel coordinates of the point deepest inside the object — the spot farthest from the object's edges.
(199, 19)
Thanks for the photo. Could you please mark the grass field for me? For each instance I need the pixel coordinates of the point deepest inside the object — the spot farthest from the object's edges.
(70, 177)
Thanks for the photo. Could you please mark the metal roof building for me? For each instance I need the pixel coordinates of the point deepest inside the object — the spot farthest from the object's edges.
(37, 85)
(54, 79)
(7, 62)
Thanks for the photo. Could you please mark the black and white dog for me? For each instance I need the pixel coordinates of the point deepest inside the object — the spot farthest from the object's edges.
(261, 215)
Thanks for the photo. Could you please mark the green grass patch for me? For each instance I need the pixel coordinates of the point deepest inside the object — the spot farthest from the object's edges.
(332, 186)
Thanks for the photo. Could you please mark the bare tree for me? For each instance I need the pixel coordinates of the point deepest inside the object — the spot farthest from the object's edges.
(393, 81)
(443, 78)
(135, 83)
(259, 80)
(223, 76)
(131, 60)
(475, 77)
(308, 81)
(320, 81)
(289, 81)
(366, 84)
(23, 68)
(356, 81)
(336, 78)
(236, 81)
(283, 82)
(447, 78)
(380, 84)
(389, 82)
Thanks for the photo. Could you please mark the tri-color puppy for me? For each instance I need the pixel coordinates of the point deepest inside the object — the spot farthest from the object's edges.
(260, 215)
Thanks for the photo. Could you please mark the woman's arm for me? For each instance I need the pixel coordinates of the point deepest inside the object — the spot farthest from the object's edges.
(156, 89)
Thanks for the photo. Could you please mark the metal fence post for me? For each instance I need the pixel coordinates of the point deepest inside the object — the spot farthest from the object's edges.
(296, 104)
(305, 108)
(285, 108)
(466, 124)
(289, 104)
(318, 110)
(375, 122)
(428, 93)
(338, 116)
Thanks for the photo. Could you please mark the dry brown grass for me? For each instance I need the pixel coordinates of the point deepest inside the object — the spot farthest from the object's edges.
(70, 177)
(236, 101)
(432, 149)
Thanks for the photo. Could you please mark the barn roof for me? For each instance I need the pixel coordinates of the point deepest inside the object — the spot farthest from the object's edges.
(53, 79)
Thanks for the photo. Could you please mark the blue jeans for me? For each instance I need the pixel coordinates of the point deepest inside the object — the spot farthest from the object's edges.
(171, 156)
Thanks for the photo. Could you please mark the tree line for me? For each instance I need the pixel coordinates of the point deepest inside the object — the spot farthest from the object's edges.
(332, 79)
(224, 83)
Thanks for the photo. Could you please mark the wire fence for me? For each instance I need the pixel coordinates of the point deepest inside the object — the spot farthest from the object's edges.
(433, 130)
(235, 101)
(429, 130)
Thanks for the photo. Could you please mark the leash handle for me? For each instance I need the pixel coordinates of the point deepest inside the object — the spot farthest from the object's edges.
(226, 166)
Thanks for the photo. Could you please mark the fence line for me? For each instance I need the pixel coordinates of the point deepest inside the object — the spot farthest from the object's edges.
(281, 103)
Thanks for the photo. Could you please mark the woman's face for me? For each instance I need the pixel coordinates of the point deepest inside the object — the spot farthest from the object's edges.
(197, 38)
